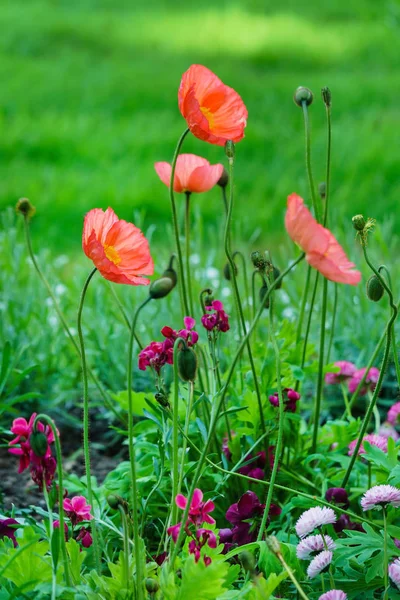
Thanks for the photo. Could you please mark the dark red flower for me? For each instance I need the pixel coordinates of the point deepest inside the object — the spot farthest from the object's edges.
(245, 516)
(290, 399)
(7, 529)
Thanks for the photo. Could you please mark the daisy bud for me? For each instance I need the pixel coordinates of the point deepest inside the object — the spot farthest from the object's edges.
(273, 544)
(322, 190)
(248, 561)
(161, 288)
(25, 208)
(187, 364)
(358, 222)
(230, 150)
(263, 291)
(227, 271)
(39, 443)
(326, 96)
(375, 289)
(152, 585)
(224, 179)
(303, 94)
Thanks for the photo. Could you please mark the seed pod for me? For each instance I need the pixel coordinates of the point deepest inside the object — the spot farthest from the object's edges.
(358, 222)
(303, 94)
(187, 364)
(224, 179)
(375, 289)
(326, 96)
(273, 544)
(161, 288)
(152, 585)
(162, 399)
(263, 291)
(230, 149)
(227, 271)
(38, 442)
(25, 208)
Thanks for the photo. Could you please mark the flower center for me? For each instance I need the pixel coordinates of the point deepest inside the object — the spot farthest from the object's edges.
(208, 115)
(112, 254)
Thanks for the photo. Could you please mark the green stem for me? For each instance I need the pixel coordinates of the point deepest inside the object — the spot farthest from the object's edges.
(181, 279)
(186, 433)
(307, 130)
(385, 555)
(123, 313)
(320, 381)
(310, 313)
(394, 345)
(125, 563)
(334, 312)
(42, 417)
(303, 304)
(175, 432)
(219, 403)
(224, 198)
(187, 239)
(346, 400)
(328, 161)
(246, 284)
(292, 577)
(51, 530)
(253, 291)
(132, 458)
(86, 447)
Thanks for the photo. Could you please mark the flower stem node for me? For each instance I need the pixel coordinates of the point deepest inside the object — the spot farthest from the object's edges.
(224, 179)
(152, 585)
(25, 208)
(187, 364)
(375, 289)
(248, 561)
(227, 271)
(358, 222)
(273, 544)
(230, 150)
(39, 443)
(303, 94)
(161, 288)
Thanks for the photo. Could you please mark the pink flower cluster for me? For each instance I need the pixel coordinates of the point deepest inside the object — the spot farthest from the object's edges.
(374, 439)
(77, 511)
(393, 416)
(290, 399)
(198, 515)
(217, 320)
(318, 546)
(348, 373)
(245, 517)
(158, 354)
(42, 468)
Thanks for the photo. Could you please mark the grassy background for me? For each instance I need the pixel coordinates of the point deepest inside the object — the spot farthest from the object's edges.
(88, 104)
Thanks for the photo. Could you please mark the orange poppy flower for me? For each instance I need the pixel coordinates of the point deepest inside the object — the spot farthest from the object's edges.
(323, 251)
(192, 173)
(118, 249)
(214, 112)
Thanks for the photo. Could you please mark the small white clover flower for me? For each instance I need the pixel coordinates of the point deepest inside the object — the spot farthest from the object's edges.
(319, 564)
(313, 518)
(312, 544)
(379, 496)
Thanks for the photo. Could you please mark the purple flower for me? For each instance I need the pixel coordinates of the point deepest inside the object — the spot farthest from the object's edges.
(158, 354)
(319, 564)
(255, 468)
(344, 522)
(313, 518)
(245, 516)
(394, 572)
(313, 544)
(370, 381)
(85, 537)
(218, 320)
(379, 496)
(374, 439)
(393, 415)
(290, 399)
(333, 595)
(337, 496)
(346, 371)
(6, 530)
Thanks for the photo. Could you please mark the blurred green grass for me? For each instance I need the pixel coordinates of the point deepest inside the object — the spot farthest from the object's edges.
(88, 104)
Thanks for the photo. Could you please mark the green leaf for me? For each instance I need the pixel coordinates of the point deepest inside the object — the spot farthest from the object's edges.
(76, 559)
(206, 582)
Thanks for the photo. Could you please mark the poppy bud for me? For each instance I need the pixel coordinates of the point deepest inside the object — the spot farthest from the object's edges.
(248, 561)
(326, 96)
(263, 291)
(303, 94)
(171, 274)
(322, 189)
(375, 289)
(38, 442)
(358, 222)
(187, 364)
(209, 299)
(25, 208)
(273, 544)
(161, 288)
(113, 501)
(227, 271)
(277, 274)
(258, 260)
(230, 149)
(224, 179)
(152, 585)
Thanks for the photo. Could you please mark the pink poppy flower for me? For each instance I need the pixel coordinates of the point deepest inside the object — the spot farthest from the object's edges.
(214, 112)
(199, 510)
(374, 439)
(77, 509)
(192, 173)
(319, 564)
(347, 370)
(323, 252)
(85, 537)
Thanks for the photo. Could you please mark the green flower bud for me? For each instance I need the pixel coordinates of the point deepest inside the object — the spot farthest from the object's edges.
(152, 585)
(227, 271)
(187, 364)
(248, 561)
(375, 289)
(161, 288)
(114, 501)
(25, 208)
(230, 149)
(277, 274)
(303, 94)
(224, 179)
(322, 189)
(258, 260)
(38, 442)
(358, 222)
(263, 291)
(326, 96)
(171, 274)
(273, 544)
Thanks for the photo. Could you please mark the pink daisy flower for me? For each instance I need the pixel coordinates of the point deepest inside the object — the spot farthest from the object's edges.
(313, 544)
(374, 439)
(313, 518)
(379, 496)
(393, 415)
(347, 370)
(394, 572)
(333, 595)
(319, 564)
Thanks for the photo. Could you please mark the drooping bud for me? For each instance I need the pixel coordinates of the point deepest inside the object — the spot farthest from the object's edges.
(39, 443)
(375, 289)
(262, 293)
(171, 273)
(276, 274)
(230, 150)
(187, 364)
(227, 271)
(208, 299)
(303, 94)
(248, 561)
(152, 585)
(25, 208)
(322, 190)
(273, 544)
(224, 179)
(358, 222)
(326, 96)
(161, 288)
(113, 501)
(258, 260)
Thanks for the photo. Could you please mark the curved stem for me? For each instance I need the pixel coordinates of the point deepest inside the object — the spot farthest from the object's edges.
(86, 447)
(246, 284)
(219, 404)
(303, 303)
(187, 240)
(181, 279)
(132, 458)
(308, 160)
(328, 161)
(42, 417)
(123, 313)
(289, 571)
(320, 382)
(334, 312)
(394, 345)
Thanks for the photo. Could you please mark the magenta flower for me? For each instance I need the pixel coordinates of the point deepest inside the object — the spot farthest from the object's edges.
(344, 522)
(370, 381)
(57, 524)
(313, 518)
(217, 320)
(158, 354)
(199, 510)
(203, 537)
(393, 416)
(307, 547)
(319, 564)
(7, 529)
(379, 496)
(394, 572)
(333, 595)
(387, 431)
(347, 370)
(77, 509)
(43, 470)
(245, 516)
(174, 530)
(85, 537)
(374, 439)
(290, 398)
(337, 496)
(257, 462)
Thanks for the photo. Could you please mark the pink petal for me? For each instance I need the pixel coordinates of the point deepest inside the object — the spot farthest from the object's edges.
(181, 501)
(197, 498)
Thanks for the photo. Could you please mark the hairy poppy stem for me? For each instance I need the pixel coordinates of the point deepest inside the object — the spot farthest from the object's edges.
(132, 458)
(328, 154)
(186, 433)
(246, 284)
(40, 418)
(125, 562)
(219, 403)
(86, 446)
(385, 554)
(303, 304)
(181, 279)
(334, 312)
(320, 380)
(394, 345)
(307, 131)
(308, 326)
(175, 432)
(187, 242)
